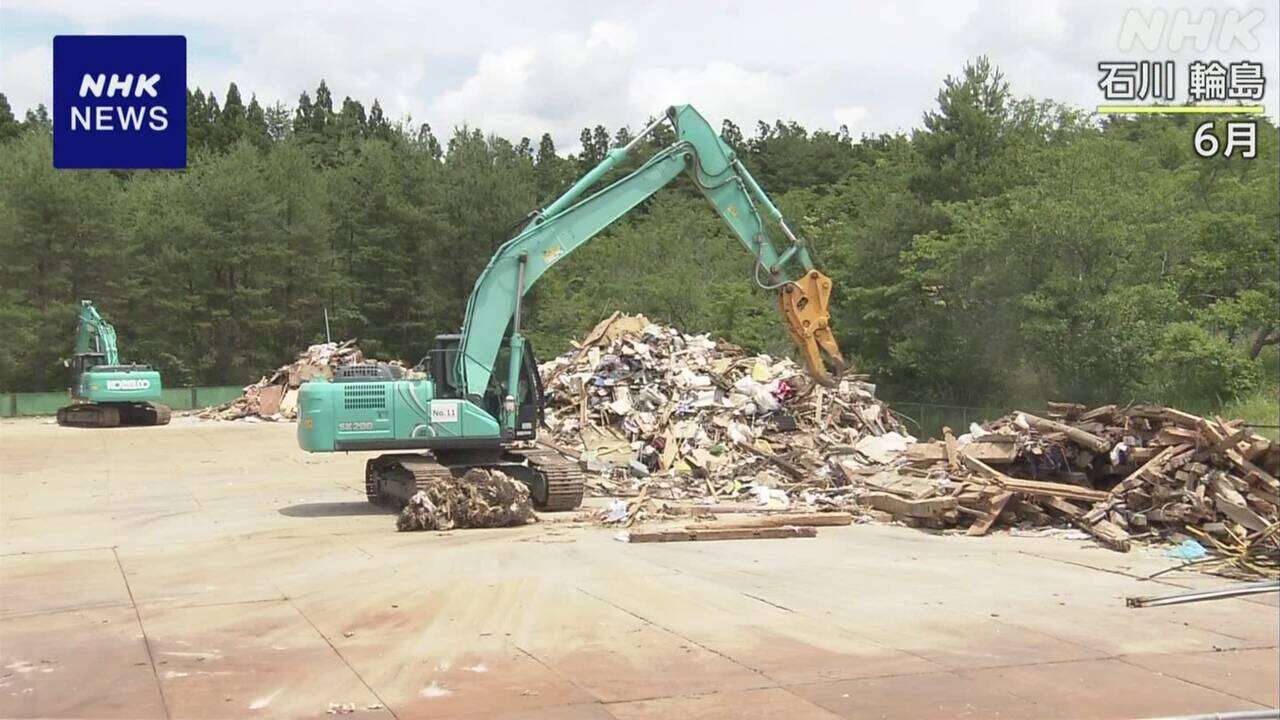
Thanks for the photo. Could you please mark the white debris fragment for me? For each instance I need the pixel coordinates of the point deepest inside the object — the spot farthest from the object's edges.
(434, 690)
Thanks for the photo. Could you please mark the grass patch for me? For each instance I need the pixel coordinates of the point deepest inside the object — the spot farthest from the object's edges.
(1259, 408)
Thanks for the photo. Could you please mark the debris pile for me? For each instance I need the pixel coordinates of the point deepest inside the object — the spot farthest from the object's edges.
(479, 499)
(275, 396)
(655, 415)
(1118, 473)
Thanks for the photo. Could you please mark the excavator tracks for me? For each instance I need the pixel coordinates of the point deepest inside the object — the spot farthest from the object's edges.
(562, 479)
(554, 482)
(106, 416)
(393, 479)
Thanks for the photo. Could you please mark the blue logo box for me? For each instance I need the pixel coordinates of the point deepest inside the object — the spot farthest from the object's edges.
(120, 101)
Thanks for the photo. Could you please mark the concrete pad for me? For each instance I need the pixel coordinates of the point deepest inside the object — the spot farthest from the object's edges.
(781, 644)
(934, 696)
(268, 588)
(454, 648)
(587, 711)
(53, 582)
(767, 704)
(1252, 675)
(199, 573)
(259, 659)
(1106, 689)
(83, 663)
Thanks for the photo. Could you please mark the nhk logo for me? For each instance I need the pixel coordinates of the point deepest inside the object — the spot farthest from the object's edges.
(102, 117)
(119, 101)
(128, 384)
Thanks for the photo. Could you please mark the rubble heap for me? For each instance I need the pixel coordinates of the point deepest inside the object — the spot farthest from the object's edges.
(1118, 473)
(479, 499)
(657, 414)
(275, 396)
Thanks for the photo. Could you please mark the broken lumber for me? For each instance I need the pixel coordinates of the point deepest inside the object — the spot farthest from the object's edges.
(1032, 487)
(984, 523)
(900, 506)
(1089, 440)
(766, 533)
(780, 520)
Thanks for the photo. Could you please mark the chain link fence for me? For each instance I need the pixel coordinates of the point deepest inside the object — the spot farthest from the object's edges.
(926, 420)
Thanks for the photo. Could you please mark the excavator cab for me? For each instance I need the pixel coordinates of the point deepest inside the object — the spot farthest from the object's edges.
(529, 397)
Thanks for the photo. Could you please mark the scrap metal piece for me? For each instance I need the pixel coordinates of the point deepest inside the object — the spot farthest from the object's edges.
(1259, 588)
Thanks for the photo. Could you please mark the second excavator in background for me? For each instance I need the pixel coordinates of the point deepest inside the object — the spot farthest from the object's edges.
(482, 403)
(105, 392)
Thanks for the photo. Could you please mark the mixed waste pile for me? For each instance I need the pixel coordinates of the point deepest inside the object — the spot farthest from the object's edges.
(275, 396)
(659, 417)
(655, 414)
(1140, 472)
(479, 499)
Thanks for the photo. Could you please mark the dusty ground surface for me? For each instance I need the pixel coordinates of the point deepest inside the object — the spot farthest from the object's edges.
(213, 570)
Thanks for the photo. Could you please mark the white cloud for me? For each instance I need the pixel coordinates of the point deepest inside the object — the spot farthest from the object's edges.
(523, 69)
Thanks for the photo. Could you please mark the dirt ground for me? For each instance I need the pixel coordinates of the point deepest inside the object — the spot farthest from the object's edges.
(213, 570)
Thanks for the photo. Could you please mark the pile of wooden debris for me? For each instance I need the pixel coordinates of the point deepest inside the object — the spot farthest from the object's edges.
(656, 414)
(275, 396)
(1120, 474)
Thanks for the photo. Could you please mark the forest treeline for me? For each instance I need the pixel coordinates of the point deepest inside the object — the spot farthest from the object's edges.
(1005, 249)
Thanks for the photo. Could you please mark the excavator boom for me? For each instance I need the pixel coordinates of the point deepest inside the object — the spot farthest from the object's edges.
(572, 220)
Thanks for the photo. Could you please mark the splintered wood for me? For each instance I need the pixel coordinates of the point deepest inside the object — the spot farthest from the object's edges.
(1118, 473)
(765, 533)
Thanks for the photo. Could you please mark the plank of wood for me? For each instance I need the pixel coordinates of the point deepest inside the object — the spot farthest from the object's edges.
(766, 533)
(1063, 490)
(1109, 534)
(949, 440)
(1105, 532)
(1089, 440)
(984, 523)
(891, 481)
(1031, 487)
(1177, 417)
(1150, 469)
(904, 507)
(1065, 409)
(831, 519)
(934, 452)
(1097, 413)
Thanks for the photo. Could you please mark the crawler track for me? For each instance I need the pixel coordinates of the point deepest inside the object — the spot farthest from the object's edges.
(114, 415)
(555, 483)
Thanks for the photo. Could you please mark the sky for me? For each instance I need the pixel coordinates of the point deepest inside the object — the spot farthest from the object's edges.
(521, 69)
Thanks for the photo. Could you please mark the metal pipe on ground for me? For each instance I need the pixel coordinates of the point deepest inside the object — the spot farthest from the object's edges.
(1265, 714)
(1258, 588)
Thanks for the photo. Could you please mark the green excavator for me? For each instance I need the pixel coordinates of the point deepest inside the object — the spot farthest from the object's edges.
(480, 403)
(105, 392)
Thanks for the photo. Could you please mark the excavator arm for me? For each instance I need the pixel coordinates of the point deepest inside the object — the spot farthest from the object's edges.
(95, 335)
(570, 221)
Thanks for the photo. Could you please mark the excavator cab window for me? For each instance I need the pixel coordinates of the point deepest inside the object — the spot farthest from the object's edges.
(444, 358)
(84, 362)
(529, 403)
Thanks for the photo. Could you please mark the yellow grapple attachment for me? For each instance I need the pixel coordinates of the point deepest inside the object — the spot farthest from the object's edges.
(803, 304)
